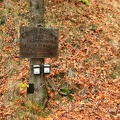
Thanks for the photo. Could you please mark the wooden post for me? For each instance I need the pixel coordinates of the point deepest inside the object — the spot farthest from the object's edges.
(39, 97)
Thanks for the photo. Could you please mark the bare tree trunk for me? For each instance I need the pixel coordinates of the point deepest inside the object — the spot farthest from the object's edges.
(39, 97)
(37, 12)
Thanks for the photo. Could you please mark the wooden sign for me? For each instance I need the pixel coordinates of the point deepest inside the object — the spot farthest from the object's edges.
(38, 42)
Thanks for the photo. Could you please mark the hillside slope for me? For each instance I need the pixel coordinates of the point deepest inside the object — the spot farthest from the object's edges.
(86, 76)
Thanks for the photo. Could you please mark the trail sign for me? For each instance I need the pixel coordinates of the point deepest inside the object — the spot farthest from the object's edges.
(38, 42)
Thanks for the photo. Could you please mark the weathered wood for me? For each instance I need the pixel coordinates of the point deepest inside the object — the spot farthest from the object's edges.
(39, 97)
(38, 42)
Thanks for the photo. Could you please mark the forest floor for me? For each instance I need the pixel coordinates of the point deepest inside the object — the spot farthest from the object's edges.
(87, 70)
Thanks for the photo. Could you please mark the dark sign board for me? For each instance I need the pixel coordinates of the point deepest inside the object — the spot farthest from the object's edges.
(38, 42)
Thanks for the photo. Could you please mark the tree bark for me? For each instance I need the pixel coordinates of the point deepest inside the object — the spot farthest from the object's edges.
(40, 96)
(37, 12)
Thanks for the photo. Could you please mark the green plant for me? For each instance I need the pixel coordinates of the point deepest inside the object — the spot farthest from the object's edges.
(86, 2)
(93, 27)
(44, 113)
(2, 20)
(66, 92)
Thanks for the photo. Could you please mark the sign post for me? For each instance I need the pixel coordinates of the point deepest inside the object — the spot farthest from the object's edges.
(37, 43)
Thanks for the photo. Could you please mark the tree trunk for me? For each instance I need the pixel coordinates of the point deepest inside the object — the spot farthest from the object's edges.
(37, 13)
(39, 97)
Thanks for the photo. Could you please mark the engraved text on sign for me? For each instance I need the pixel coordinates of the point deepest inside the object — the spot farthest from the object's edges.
(38, 42)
